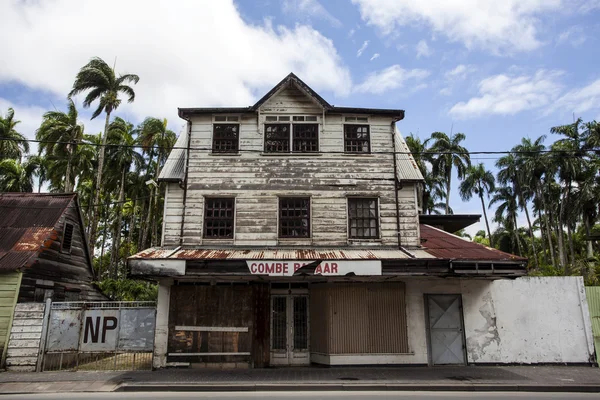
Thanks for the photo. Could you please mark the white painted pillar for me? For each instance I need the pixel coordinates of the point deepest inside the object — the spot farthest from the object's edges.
(161, 332)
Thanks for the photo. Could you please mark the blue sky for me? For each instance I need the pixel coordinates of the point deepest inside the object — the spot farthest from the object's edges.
(495, 71)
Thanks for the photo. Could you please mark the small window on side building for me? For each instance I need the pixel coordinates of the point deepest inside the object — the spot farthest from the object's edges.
(67, 241)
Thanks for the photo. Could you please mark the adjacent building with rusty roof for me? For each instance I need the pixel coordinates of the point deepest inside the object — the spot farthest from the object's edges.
(43, 253)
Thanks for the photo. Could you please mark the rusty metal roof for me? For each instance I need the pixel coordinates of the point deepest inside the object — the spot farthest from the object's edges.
(270, 254)
(27, 220)
(448, 246)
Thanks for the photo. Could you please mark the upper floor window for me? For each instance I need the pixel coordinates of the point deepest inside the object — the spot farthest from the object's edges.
(363, 218)
(67, 238)
(357, 139)
(226, 138)
(219, 218)
(298, 135)
(294, 217)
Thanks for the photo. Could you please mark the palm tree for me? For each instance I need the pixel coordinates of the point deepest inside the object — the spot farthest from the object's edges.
(121, 153)
(99, 80)
(12, 143)
(16, 176)
(451, 155)
(506, 212)
(480, 182)
(157, 140)
(60, 133)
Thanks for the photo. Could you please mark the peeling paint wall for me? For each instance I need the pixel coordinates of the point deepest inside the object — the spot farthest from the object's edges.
(526, 320)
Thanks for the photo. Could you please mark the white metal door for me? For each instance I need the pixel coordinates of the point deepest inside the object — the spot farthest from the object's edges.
(289, 330)
(445, 326)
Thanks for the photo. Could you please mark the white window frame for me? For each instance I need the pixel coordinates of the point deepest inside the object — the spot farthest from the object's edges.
(214, 122)
(318, 121)
(310, 217)
(358, 197)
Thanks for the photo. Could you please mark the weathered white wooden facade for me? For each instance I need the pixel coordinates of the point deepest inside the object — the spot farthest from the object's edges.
(292, 235)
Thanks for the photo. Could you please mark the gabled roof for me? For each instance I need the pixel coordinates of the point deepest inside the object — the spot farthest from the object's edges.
(292, 79)
(27, 222)
(448, 246)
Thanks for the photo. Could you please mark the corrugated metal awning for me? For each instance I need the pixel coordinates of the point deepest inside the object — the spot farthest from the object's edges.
(271, 254)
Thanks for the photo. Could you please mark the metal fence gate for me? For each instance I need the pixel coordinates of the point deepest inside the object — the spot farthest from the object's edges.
(99, 336)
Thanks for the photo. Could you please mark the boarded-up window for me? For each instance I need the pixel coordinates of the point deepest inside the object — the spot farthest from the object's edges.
(356, 139)
(294, 217)
(67, 238)
(219, 218)
(363, 218)
(226, 138)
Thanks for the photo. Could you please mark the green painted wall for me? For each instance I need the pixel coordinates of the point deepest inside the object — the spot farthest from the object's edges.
(9, 291)
(593, 298)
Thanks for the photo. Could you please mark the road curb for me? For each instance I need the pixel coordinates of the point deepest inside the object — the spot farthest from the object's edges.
(289, 387)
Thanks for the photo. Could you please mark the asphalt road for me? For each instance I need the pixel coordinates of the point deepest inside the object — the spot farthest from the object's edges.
(305, 395)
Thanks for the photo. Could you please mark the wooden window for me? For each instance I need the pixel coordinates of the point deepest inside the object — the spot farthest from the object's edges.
(363, 218)
(226, 138)
(219, 218)
(357, 139)
(294, 217)
(277, 138)
(306, 138)
(67, 238)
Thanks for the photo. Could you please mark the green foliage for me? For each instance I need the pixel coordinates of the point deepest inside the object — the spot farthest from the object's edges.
(128, 289)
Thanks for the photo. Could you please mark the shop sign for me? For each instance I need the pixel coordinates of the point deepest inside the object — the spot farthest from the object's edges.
(325, 267)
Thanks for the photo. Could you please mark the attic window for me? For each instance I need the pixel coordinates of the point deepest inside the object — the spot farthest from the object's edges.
(227, 118)
(67, 238)
(274, 118)
(357, 119)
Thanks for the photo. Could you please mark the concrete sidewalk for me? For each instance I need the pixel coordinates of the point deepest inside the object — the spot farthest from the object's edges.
(478, 378)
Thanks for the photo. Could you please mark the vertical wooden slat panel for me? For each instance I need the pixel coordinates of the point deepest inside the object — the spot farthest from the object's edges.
(319, 320)
(367, 318)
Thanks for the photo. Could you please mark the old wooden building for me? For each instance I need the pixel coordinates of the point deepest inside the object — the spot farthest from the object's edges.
(43, 253)
(292, 236)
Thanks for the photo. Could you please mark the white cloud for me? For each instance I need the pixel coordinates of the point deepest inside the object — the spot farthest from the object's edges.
(498, 26)
(423, 49)
(446, 91)
(580, 100)
(351, 33)
(508, 94)
(310, 8)
(206, 55)
(362, 48)
(459, 72)
(390, 78)
(375, 56)
(573, 36)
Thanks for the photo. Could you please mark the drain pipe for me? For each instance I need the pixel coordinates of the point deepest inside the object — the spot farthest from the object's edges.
(185, 179)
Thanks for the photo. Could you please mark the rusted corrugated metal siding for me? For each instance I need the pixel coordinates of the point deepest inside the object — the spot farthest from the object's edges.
(593, 299)
(367, 318)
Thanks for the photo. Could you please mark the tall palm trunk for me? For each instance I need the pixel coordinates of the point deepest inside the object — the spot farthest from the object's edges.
(531, 237)
(542, 241)
(95, 215)
(516, 229)
(571, 246)
(117, 238)
(588, 243)
(448, 182)
(547, 224)
(131, 225)
(487, 224)
(68, 172)
(561, 232)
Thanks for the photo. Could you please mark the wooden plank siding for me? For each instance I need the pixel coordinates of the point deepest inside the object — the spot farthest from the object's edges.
(9, 289)
(256, 180)
(26, 335)
(65, 275)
